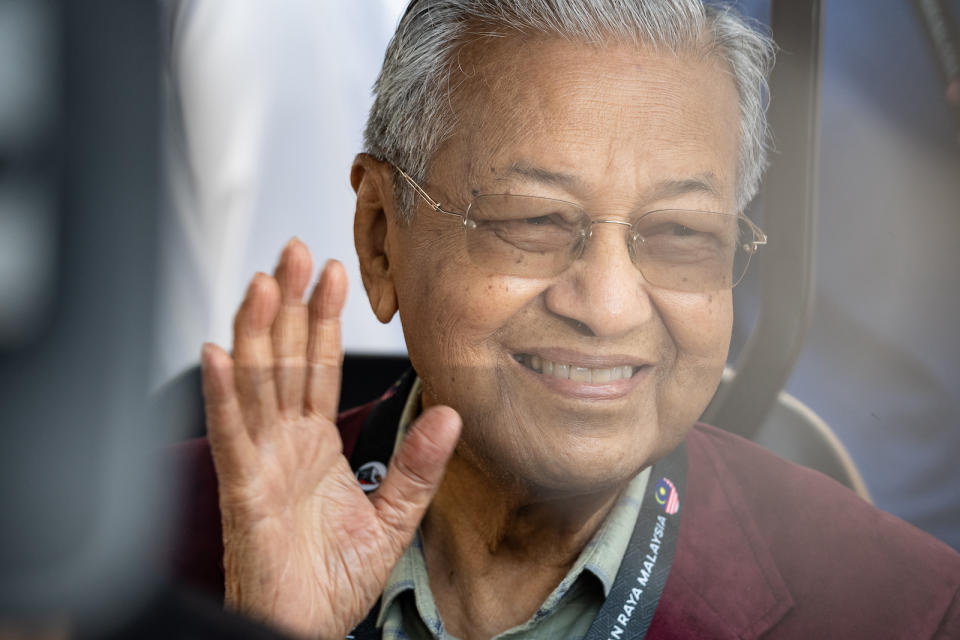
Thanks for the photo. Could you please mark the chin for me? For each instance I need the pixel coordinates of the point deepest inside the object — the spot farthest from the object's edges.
(563, 464)
(545, 443)
(581, 477)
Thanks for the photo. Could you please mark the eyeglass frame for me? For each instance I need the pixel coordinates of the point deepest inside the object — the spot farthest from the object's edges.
(759, 237)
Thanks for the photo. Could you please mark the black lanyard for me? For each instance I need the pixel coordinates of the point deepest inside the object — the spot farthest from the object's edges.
(629, 607)
(628, 610)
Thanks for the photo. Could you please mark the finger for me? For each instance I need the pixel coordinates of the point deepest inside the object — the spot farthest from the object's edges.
(324, 351)
(289, 331)
(253, 355)
(415, 472)
(230, 444)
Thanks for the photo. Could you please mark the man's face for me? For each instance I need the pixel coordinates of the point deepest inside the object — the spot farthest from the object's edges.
(619, 131)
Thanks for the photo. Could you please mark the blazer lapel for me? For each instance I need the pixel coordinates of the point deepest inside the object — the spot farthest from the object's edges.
(724, 582)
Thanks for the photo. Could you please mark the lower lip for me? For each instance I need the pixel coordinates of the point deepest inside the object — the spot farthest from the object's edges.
(589, 390)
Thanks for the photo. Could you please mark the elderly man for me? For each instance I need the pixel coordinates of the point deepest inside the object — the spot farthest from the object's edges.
(551, 199)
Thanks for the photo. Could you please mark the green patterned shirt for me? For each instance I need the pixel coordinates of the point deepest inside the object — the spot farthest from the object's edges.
(408, 610)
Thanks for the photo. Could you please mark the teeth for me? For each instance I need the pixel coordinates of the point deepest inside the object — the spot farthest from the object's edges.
(601, 375)
(580, 374)
(577, 374)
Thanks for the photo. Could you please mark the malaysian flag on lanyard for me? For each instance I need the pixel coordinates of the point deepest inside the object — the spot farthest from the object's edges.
(666, 496)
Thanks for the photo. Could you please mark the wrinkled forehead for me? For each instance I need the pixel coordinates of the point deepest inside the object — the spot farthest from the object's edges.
(589, 108)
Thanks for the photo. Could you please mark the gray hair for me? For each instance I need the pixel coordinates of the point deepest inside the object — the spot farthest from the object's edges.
(412, 114)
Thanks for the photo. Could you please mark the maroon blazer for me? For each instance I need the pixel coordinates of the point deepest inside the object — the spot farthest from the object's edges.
(766, 549)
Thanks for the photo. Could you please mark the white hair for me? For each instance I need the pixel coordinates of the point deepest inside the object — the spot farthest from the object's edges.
(412, 113)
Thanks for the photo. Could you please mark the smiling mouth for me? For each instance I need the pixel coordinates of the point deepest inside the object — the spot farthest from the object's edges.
(566, 371)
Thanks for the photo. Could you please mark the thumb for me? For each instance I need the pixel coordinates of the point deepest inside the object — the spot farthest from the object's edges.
(415, 472)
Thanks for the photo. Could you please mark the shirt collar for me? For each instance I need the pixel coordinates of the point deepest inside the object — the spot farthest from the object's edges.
(411, 409)
(604, 552)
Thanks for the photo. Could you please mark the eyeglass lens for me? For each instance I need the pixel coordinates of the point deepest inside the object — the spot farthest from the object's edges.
(541, 237)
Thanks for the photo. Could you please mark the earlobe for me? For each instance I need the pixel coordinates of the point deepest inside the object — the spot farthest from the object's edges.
(371, 231)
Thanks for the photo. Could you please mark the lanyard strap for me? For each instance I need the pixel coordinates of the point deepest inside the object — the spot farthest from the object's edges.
(628, 610)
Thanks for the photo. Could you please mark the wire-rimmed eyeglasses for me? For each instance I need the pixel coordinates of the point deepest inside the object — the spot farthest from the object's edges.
(532, 236)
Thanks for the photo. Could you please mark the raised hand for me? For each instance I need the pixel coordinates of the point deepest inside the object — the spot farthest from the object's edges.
(304, 547)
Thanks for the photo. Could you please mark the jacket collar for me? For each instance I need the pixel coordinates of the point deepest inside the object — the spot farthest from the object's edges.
(724, 582)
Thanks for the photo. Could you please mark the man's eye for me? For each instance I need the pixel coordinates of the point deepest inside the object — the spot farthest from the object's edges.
(681, 230)
(674, 230)
(541, 221)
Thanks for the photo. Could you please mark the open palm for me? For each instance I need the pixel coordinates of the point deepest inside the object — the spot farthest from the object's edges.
(304, 547)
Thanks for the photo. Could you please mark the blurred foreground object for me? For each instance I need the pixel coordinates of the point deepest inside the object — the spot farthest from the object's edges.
(78, 200)
(83, 498)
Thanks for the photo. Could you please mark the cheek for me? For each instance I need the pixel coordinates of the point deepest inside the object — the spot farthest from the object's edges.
(452, 314)
(699, 324)
(695, 339)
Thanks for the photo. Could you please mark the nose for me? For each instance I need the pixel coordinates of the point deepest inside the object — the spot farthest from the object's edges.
(603, 293)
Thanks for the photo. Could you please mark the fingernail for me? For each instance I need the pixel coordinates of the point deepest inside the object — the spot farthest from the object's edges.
(210, 379)
(283, 252)
(253, 281)
(207, 354)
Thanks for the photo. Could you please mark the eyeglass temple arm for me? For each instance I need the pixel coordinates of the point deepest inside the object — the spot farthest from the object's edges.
(436, 206)
(759, 237)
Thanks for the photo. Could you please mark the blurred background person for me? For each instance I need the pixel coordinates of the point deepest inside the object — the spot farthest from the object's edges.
(267, 102)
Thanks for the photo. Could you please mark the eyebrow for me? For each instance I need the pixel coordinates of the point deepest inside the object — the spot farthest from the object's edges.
(705, 183)
(543, 176)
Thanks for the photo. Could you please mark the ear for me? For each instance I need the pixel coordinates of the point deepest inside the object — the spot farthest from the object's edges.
(372, 180)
